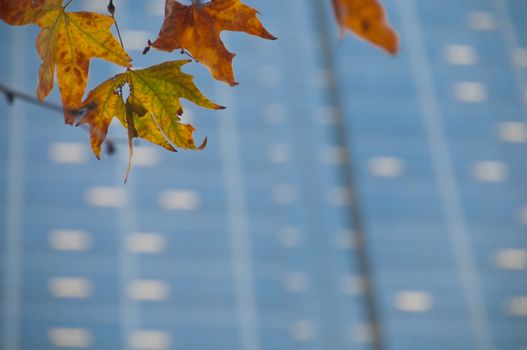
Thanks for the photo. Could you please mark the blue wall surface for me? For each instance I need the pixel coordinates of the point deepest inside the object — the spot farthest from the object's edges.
(346, 199)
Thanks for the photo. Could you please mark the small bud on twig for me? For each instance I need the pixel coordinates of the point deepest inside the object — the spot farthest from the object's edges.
(111, 8)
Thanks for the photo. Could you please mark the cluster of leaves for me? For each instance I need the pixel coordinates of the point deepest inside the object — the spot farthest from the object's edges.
(151, 108)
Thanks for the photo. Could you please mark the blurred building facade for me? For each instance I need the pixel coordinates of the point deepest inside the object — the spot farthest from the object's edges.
(346, 199)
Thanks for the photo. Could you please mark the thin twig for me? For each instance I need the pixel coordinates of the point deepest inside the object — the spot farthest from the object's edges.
(69, 2)
(111, 9)
(12, 94)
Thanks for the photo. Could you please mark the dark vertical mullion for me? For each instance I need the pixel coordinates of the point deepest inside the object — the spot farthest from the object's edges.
(343, 137)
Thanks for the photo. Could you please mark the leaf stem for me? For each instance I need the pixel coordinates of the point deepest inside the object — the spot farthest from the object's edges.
(69, 2)
(118, 32)
(111, 9)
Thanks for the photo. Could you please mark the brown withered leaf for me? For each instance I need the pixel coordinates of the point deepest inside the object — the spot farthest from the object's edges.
(197, 28)
(367, 19)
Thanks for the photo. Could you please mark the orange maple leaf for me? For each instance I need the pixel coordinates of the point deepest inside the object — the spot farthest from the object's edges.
(197, 28)
(367, 19)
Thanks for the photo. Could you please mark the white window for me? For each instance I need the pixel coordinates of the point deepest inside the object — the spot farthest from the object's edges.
(279, 153)
(520, 57)
(290, 237)
(179, 200)
(413, 301)
(514, 132)
(512, 259)
(386, 166)
(296, 282)
(481, 20)
(68, 152)
(461, 55)
(70, 337)
(284, 194)
(112, 197)
(518, 306)
(148, 290)
(490, 171)
(145, 156)
(303, 330)
(471, 92)
(146, 243)
(70, 287)
(149, 340)
(72, 240)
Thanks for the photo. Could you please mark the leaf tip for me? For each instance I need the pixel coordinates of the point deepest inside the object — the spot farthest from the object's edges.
(394, 49)
(147, 48)
(391, 46)
(270, 36)
(111, 8)
(203, 144)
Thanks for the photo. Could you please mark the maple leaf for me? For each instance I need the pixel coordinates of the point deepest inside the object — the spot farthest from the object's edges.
(103, 104)
(67, 41)
(197, 28)
(367, 19)
(20, 12)
(152, 110)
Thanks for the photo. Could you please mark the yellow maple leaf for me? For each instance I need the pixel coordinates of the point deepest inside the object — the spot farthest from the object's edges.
(367, 19)
(67, 41)
(103, 104)
(197, 28)
(152, 110)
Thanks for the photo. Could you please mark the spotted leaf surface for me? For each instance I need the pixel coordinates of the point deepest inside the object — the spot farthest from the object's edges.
(20, 12)
(67, 42)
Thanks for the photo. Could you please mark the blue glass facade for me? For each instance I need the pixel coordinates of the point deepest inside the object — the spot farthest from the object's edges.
(346, 199)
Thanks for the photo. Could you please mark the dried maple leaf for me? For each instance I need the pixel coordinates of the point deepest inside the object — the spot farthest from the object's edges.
(67, 41)
(152, 110)
(103, 103)
(367, 19)
(20, 12)
(197, 28)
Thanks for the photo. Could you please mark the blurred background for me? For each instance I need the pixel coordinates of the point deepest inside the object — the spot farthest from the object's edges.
(346, 200)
